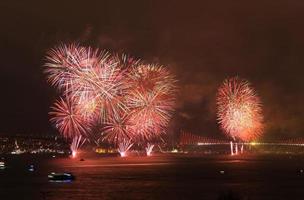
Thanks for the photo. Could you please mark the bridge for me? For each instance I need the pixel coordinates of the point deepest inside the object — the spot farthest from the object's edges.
(187, 138)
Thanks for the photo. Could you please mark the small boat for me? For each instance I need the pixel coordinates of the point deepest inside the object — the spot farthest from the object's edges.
(2, 165)
(61, 177)
(31, 168)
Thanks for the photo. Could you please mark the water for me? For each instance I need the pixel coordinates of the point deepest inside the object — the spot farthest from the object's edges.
(157, 177)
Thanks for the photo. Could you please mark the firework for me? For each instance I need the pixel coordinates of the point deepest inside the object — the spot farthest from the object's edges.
(88, 110)
(117, 129)
(124, 146)
(88, 76)
(68, 119)
(149, 149)
(149, 113)
(231, 148)
(239, 110)
(153, 78)
(128, 99)
(151, 100)
(77, 142)
(66, 65)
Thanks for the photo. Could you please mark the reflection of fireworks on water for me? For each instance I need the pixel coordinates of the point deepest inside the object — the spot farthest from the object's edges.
(124, 146)
(239, 110)
(77, 142)
(149, 149)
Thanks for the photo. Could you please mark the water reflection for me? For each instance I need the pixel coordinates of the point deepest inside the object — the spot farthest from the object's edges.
(156, 177)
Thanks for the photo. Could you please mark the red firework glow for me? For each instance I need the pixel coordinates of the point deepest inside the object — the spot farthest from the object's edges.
(239, 110)
(128, 99)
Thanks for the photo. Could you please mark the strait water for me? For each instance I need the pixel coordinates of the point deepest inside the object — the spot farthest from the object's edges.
(157, 177)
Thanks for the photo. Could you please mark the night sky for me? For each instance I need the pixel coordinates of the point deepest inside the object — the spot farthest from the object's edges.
(202, 42)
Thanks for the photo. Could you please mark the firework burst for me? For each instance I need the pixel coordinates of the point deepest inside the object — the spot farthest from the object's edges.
(88, 76)
(68, 119)
(66, 65)
(128, 99)
(151, 100)
(239, 110)
(117, 129)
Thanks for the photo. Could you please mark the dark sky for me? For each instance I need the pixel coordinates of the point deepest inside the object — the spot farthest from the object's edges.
(203, 42)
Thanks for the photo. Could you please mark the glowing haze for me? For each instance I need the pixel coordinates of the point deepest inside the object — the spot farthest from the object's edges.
(239, 110)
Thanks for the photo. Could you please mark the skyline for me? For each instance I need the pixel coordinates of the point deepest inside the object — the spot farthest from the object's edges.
(201, 44)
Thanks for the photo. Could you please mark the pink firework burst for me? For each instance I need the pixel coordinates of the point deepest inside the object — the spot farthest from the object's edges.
(66, 65)
(117, 129)
(129, 99)
(68, 119)
(153, 78)
(150, 113)
(88, 76)
(151, 100)
(239, 110)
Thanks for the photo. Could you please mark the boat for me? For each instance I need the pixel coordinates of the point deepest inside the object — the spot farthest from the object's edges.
(31, 168)
(61, 177)
(2, 165)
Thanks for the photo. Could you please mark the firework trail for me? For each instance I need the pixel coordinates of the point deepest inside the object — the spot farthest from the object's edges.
(239, 110)
(149, 149)
(124, 146)
(77, 142)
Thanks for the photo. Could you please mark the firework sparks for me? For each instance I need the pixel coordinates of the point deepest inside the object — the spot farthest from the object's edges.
(129, 99)
(77, 142)
(149, 113)
(68, 119)
(88, 76)
(117, 129)
(239, 110)
(151, 101)
(153, 78)
(149, 149)
(124, 146)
